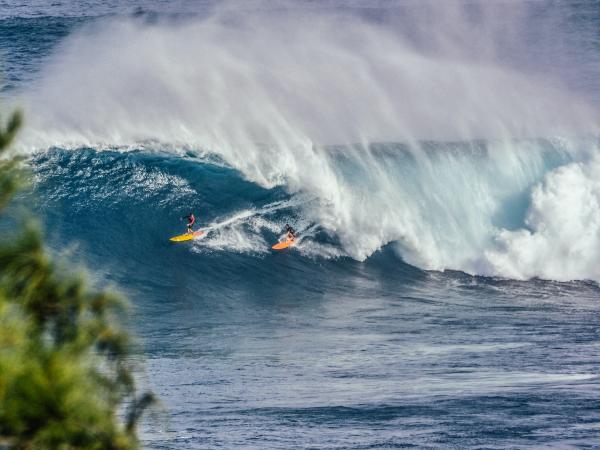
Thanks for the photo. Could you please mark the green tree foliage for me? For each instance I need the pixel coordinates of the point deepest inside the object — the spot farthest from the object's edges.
(64, 378)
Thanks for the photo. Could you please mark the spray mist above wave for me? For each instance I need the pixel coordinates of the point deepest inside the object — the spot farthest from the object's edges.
(267, 90)
(287, 78)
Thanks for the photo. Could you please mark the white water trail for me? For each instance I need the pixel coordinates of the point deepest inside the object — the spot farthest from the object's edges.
(268, 89)
(241, 231)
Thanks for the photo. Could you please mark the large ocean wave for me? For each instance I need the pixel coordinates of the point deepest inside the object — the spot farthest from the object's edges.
(379, 135)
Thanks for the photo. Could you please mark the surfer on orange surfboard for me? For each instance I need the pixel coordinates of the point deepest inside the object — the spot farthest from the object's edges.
(291, 234)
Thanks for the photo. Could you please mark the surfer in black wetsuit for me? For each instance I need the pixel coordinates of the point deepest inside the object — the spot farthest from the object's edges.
(191, 221)
(291, 233)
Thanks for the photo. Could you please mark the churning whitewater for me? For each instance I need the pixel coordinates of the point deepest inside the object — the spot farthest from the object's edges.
(412, 137)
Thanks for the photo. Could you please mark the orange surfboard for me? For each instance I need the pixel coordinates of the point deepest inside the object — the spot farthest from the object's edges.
(285, 244)
(187, 236)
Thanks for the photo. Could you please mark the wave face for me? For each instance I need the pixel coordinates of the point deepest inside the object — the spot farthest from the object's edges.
(525, 210)
(439, 130)
(257, 349)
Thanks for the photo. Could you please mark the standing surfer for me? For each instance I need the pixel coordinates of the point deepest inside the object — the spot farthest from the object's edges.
(191, 234)
(291, 234)
(290, 240)
(191, 221)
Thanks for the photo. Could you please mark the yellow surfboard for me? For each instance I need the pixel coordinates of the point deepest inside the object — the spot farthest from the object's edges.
(187, 236)
(285, 244)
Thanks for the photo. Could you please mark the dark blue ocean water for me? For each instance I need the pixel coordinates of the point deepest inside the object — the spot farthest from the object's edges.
(312, 347)
(286, 351)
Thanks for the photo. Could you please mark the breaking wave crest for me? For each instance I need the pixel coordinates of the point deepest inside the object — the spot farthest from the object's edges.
(458, 162)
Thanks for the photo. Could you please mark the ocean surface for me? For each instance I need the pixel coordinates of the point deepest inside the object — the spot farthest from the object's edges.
(440, 161)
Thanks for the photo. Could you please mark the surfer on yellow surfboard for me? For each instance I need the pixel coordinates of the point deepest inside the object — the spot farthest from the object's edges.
(191, 221)
(191, 234)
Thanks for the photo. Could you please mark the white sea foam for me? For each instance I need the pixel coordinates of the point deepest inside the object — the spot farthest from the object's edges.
(562, 238)
(232, 238)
